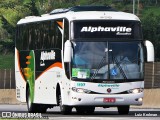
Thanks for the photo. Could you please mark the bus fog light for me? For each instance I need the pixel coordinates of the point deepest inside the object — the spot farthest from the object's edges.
(140, 99)
(74, 99)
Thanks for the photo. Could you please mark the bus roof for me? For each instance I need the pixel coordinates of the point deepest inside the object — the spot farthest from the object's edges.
(86, 13)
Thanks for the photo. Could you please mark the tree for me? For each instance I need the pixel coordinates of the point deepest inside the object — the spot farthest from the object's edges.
(151, 31)
(32, 7)
(6, 42)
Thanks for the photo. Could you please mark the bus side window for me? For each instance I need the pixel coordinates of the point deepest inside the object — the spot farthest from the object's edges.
(41, 36)
(55, 34)
(30, 37)
(58, 37)
(38, 37)
(44, 35)
(17, 37)
(66, 31)
(52, 34)
(48, 40)
(22, 37)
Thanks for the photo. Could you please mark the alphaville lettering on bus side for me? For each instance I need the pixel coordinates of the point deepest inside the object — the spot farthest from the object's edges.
(48, 55)
(45, 55)
(106, 29)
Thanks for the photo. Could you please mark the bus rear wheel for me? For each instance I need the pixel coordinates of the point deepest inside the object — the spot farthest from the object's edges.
(63, 108)
(31, 107)
(123, 110)
(34, 108)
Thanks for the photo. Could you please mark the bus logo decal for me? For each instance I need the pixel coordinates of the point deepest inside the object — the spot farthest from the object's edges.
(47, 56)
(119, 29)
(113, 86)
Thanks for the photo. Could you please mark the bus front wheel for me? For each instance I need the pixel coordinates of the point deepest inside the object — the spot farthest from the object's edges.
(123, 110)
(63, 108)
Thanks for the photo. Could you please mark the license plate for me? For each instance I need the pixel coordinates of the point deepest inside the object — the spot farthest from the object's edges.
(109, 100)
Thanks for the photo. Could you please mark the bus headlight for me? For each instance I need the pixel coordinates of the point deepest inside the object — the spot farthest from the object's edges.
(137, 90)
(80, 90)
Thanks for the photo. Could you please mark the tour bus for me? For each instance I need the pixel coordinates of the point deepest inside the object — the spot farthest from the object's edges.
(81, 57)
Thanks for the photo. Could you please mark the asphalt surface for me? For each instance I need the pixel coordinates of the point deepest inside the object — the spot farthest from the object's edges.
(20, 111)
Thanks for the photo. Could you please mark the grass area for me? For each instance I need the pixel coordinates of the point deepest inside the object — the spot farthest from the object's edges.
(6, 61)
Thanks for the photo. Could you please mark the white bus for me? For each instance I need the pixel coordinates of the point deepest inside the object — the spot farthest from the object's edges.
(82, 57)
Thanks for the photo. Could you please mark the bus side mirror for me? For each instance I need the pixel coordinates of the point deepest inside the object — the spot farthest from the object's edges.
(67, 51)
(150, 51)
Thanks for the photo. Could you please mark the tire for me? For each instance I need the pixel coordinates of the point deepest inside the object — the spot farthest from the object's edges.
(123, 110)
(85, 110)
(80, 110)
(34, 108)
(65, 110)
(41, 108)
(90, 110)
(31, 107)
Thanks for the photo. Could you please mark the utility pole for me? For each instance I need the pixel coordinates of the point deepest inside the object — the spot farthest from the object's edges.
(133, 6)
(138, 8)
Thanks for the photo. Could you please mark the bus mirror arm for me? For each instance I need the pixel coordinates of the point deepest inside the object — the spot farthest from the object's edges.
(149, 51)
(67, 51)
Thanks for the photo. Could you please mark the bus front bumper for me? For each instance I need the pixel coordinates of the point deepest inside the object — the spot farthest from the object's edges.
(81, 99)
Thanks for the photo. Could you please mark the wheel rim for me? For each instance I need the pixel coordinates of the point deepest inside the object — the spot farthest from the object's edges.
(29, 102)
(60, 103)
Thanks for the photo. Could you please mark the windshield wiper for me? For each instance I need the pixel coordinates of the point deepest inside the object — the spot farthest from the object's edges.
(100, 65)
(120, 68)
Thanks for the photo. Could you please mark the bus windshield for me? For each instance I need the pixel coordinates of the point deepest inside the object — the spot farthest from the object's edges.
(107, 61)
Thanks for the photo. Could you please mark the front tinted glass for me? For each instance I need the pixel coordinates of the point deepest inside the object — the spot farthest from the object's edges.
(126, 60)
(107, 60)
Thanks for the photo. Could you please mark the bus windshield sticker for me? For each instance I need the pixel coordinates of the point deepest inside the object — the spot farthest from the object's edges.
(80, 73)
(114, 72)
